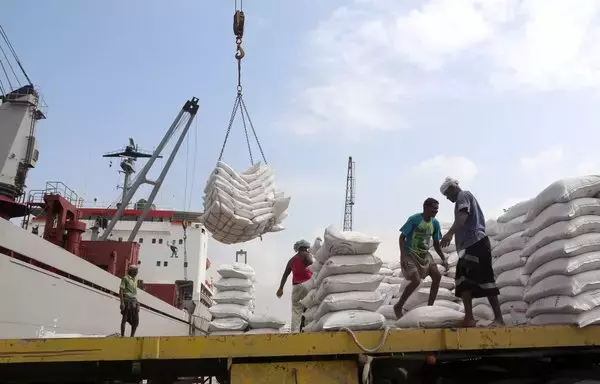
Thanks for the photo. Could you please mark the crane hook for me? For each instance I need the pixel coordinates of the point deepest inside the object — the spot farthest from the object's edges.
(240, 52)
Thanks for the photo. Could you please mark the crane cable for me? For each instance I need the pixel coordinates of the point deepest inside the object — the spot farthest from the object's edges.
(239, 19)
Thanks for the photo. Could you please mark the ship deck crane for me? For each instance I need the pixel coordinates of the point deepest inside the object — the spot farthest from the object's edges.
(350, 195)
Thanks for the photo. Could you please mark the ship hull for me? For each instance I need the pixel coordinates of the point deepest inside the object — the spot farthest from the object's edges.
(47, 289)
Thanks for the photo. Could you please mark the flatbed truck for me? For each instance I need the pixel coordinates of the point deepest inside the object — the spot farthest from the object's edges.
(475, 355)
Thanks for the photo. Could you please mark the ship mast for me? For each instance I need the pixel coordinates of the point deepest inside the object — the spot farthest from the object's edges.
(129, 156)
(185, 117)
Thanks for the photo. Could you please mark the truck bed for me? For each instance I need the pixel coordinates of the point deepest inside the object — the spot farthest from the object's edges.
(236, 358)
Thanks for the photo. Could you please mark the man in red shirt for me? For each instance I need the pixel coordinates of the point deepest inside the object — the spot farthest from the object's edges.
(298, 267)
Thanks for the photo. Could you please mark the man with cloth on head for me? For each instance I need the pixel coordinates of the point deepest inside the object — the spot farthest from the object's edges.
(474, 273)
(415, 259)
(298, 267)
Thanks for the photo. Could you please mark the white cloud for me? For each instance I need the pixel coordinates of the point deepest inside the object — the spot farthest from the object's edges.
(441, 166)
(369, 60)
(543, 160)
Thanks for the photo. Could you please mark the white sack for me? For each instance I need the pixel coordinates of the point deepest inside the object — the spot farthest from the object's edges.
(512, 277)
(233, 297)
(589, 242)
(346, 283)
(310, 283)
(513, 242)
(562, 230)
(394, 280)
(582, 320)
(355, 320)
(309, 300)
(451, 272)
(315, 267)
(483, 312)
(567, 266)
(387, 291)
(563, 212)
(421, 296)
(513, 306)
(349, 243)
(236, 270)
(227, 324)
(386, 272)
(368, 301)
(309, 314)
(315, 246)
(263, 331)
(562, 191)
(565, 304)
(227, 333)
(234, 284)
(387, 311)
(444, 303)
(511, 293)
(506, 229)
(445, 282)
(265, 321)
(515, 211)
(431, 317)
(508, 261)
(344, 264)
(564, 285)
(491, 228)
(220, 311)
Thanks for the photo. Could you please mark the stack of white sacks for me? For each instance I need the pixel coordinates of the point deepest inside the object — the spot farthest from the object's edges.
(507, 261)
(239, 207)
(235, 299)
(343, 290)
(563, 253)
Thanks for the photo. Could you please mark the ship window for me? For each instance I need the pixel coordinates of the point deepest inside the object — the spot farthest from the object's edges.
(139, 262)
(141, 240)
(180, 241)
(159, 241)
(203, 230)
(120, 239)
(153, 241)
(185, 264)
(158, 263)
(165, 263)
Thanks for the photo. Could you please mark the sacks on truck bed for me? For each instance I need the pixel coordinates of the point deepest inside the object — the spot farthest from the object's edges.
(239, 207)
(344, 292)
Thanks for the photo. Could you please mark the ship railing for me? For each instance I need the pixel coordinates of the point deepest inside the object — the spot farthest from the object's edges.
(112, 205)
(61, 189)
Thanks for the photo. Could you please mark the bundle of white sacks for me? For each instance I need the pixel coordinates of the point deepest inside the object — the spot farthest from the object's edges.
(563, 253)
(234, 311)
(343, 290)
(234, 299)
(239, 207)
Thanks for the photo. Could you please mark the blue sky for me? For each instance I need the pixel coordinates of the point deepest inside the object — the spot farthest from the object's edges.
(501, 94)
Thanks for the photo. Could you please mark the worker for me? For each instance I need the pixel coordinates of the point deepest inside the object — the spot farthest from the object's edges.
(415, 259)
(474, 273)
(298, 267)
(173, 249)
(130, 308)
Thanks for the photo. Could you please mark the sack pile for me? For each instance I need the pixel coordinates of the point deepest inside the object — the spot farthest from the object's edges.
(235, 300)
(343, 292)
(508, 261)
(239, 207)
(563, 253)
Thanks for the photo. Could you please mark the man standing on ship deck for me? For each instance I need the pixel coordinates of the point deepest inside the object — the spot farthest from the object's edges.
(474, 273)
(298, 267)
(415, 259)
(130, 308)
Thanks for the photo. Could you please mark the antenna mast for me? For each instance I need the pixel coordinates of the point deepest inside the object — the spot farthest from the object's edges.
(350, 195)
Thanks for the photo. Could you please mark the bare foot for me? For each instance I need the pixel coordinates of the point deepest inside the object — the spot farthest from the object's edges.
(497, 324)
(397, 311)
(468, 323)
